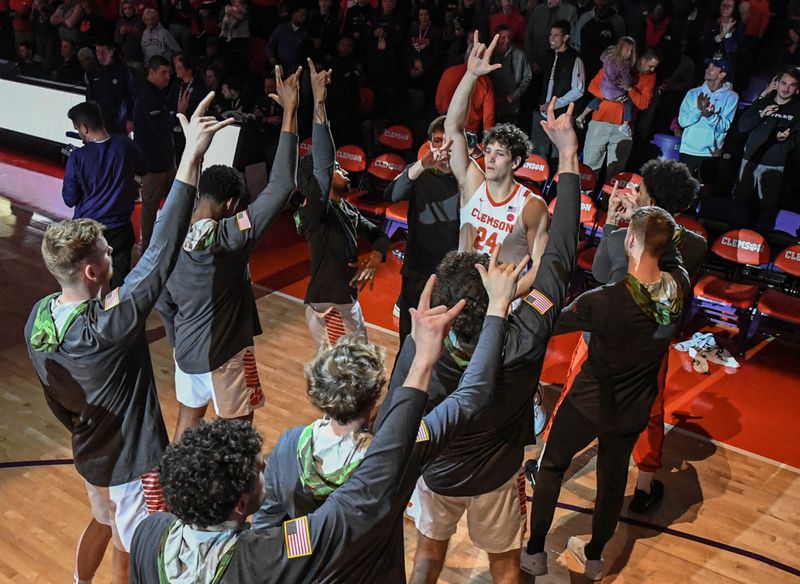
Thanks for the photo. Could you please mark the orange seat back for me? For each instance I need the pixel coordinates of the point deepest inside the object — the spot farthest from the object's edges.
(396, 137)
(789, 260)
(742, 246)
(352, 158)
(534, 169)
(386, 167)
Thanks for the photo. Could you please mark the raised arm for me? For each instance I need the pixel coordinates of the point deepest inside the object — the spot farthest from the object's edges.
(234, 233)
(476, 387)
(127, 308)
(370, 494)
(533, 320)
(479, 63)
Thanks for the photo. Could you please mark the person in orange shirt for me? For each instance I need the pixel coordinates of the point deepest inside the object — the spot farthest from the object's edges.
(758, 17)
(481, 104)
(604, 136)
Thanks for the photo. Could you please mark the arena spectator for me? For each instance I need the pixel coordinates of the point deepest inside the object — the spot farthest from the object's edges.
(772, 126)
(287, 43)
(594, 32)
(45, 35)
(67, 18)
(67, 69)
(28, 62)
(99, 182)
(705, 116)
(355, 23)
(128, 36)
(90, 24)
(323, 27)
(566, 81)
(537, 32)
(481, 104)
(511, 16)
(723, 34)
(154, 123)
(511, 81)
(343, 92)
(157, 40)
(603, 137)
(187, 90)
(111, 85)
(423, 58)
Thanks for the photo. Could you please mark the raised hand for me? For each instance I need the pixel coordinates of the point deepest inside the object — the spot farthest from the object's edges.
(480, 58)
(366, 271)
(287, 91)
(319, 82)
(500, 281)
(620, 206)
(781, 136)
(429, 326)
(560, 130)
(702, 102)
(200, 129)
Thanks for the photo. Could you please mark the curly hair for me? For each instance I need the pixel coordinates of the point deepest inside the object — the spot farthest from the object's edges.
(221, 183)
(67, 244)
(204, 474)
(511, 137)
(457, 278)
(670, 184)
(344, 381)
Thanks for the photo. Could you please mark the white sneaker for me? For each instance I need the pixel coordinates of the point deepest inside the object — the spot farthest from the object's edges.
(592, 569)
(533, 564)
(539, 415)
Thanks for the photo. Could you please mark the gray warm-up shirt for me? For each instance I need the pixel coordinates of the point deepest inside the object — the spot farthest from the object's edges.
(208, 307)
(350, 516)
(381, 557)
(98, 380)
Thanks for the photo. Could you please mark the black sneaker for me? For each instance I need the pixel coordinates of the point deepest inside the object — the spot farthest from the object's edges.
(642, 501)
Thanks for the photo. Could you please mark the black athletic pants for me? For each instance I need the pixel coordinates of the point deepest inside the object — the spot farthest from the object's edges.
(121, 240)
(572, 432)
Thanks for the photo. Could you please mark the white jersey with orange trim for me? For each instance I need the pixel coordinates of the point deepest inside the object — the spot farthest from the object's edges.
(486, 223)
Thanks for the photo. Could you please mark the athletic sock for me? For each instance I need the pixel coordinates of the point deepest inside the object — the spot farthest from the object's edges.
(535, 545)
(644, 481)
(77, 580)
(593, 551)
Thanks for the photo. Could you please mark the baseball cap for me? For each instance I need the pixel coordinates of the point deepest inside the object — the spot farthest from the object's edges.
(722, 62)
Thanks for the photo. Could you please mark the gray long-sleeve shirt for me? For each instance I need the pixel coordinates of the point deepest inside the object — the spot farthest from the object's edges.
(208, 307)
(99, 380)
(354, 513)
(381, 558)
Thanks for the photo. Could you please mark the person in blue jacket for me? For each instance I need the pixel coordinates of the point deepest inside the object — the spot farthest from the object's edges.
(706, 115)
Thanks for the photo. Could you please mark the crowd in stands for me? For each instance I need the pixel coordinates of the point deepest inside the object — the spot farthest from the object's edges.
(706, 70)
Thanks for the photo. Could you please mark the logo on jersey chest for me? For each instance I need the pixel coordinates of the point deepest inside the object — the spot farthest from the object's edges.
(494, 222)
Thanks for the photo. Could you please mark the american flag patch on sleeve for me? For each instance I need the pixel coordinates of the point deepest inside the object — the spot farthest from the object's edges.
(111, 299)
(297, 537)
(423, 435)
(539, 301)
(243, 221)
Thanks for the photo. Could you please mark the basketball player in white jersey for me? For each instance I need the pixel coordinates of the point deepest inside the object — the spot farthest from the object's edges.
(495, 209)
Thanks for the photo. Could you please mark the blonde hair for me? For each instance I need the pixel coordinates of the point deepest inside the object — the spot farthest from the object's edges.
(615, 51)
(150, 11)
(345, 380)
(67, 244)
